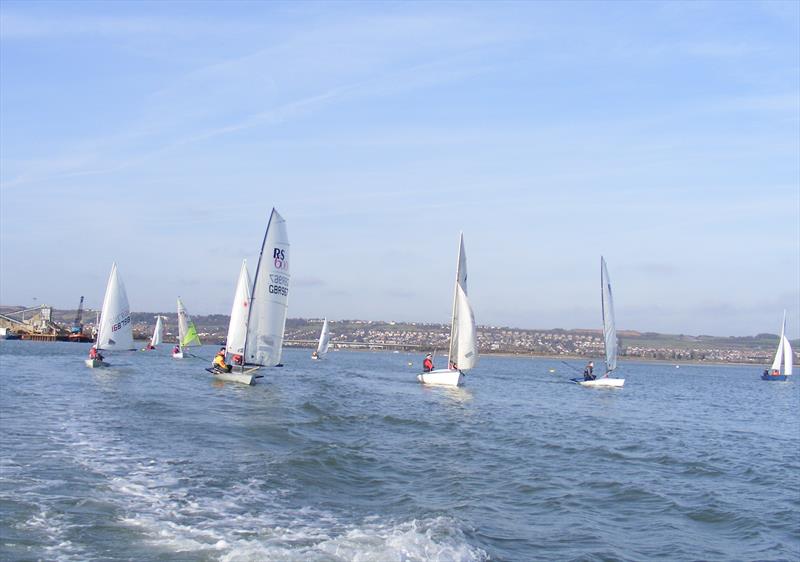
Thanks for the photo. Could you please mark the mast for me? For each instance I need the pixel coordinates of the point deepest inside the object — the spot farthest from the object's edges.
(253, 287)
(450, 351)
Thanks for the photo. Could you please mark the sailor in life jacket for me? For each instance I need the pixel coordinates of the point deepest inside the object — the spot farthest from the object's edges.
(427, 364)
(219, 361)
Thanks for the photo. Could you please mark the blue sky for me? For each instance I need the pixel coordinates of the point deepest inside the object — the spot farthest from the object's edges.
(664, 136)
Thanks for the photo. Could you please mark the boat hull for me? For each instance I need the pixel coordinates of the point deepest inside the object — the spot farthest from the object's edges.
(603, 382)
(773, 377)
(247, 377)
(178, 355)
(95, 363)
(442, 377)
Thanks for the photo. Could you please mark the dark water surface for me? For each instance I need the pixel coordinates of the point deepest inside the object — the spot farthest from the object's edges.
(351, 459)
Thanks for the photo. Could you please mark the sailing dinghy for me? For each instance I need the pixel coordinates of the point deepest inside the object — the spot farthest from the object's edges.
(463, 353)
(115, 331)
(263, 310)
(158, 335)
(609, 335)
(782, 355)
(187, 332)
(324, 342)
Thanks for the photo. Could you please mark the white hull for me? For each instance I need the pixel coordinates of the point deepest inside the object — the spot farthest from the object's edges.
(178, 355)
(247, 377)
(604, 382)
(443, 377)
(95, 363)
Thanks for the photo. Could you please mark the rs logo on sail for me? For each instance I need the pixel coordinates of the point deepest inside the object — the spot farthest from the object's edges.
(279, 257)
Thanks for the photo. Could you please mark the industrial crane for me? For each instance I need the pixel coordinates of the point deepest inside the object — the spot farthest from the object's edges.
(77, 327)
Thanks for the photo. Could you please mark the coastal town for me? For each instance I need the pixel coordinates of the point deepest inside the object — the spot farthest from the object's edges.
(47, 324)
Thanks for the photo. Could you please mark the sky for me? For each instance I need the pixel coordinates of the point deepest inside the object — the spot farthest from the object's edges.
(663, 136)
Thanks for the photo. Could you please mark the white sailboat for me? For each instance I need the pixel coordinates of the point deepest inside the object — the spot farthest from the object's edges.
(158, 334)
(609, 334)
(115, 331)
(324, 341)
(237, 332)
(187, 332)
(463, 352)
(783, 357)
(266, 305)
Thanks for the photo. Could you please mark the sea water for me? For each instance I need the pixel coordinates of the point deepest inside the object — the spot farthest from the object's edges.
(350, 458)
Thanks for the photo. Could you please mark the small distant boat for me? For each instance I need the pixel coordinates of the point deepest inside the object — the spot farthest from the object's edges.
(463, 353)
(256, 334)
(609, 335)
(783, 355)
(158, 335)
(115, 330)
(324, 342)
(187, 332)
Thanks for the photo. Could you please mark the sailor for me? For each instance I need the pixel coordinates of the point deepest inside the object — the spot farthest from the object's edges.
(94, 354)
(588, 375)
(237, 359)
(219, 362)
(427, 364)
(176, 349)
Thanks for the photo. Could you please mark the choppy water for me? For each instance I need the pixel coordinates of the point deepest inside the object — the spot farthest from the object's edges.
(351, 459)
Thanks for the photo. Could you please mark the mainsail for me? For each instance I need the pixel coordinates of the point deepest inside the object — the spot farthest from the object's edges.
(266, 320)
(463, 349)
(609, 326)
(788, 359)
(158, 333)
(237, 328)
(116, 331)
(324, 340)
(776, 363)
(187, 332)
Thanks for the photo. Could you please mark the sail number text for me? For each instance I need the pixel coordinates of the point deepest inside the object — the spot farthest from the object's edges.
(278, 285)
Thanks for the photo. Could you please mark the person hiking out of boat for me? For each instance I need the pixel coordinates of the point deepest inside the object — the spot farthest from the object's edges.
(588, 374)
(427, 364)
(219, 362)
(766, 372)
(94, 354)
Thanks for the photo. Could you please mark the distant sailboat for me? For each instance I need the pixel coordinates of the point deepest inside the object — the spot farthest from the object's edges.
(187, 332)
(782, 355)
(266, 307)
(324, 342)
(463, 352)
(115, 331)
(609, 334)
(158, 334)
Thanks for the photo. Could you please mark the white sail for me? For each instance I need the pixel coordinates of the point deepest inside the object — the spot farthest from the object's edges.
(269, 298)
(788, 359)
(158, 333)
(187, 332)
(466, 350)
(324, 340)
(776, 363)
(237, 328)
(609, 326)
(463, 350)
(116, 330)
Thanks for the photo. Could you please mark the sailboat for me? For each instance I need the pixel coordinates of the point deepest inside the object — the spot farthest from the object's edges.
(609, 334)
(782, 355)
(158, 335)
(115, 331)
(259, 341)
(324, 342)
(187, 332)
(463, 353)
